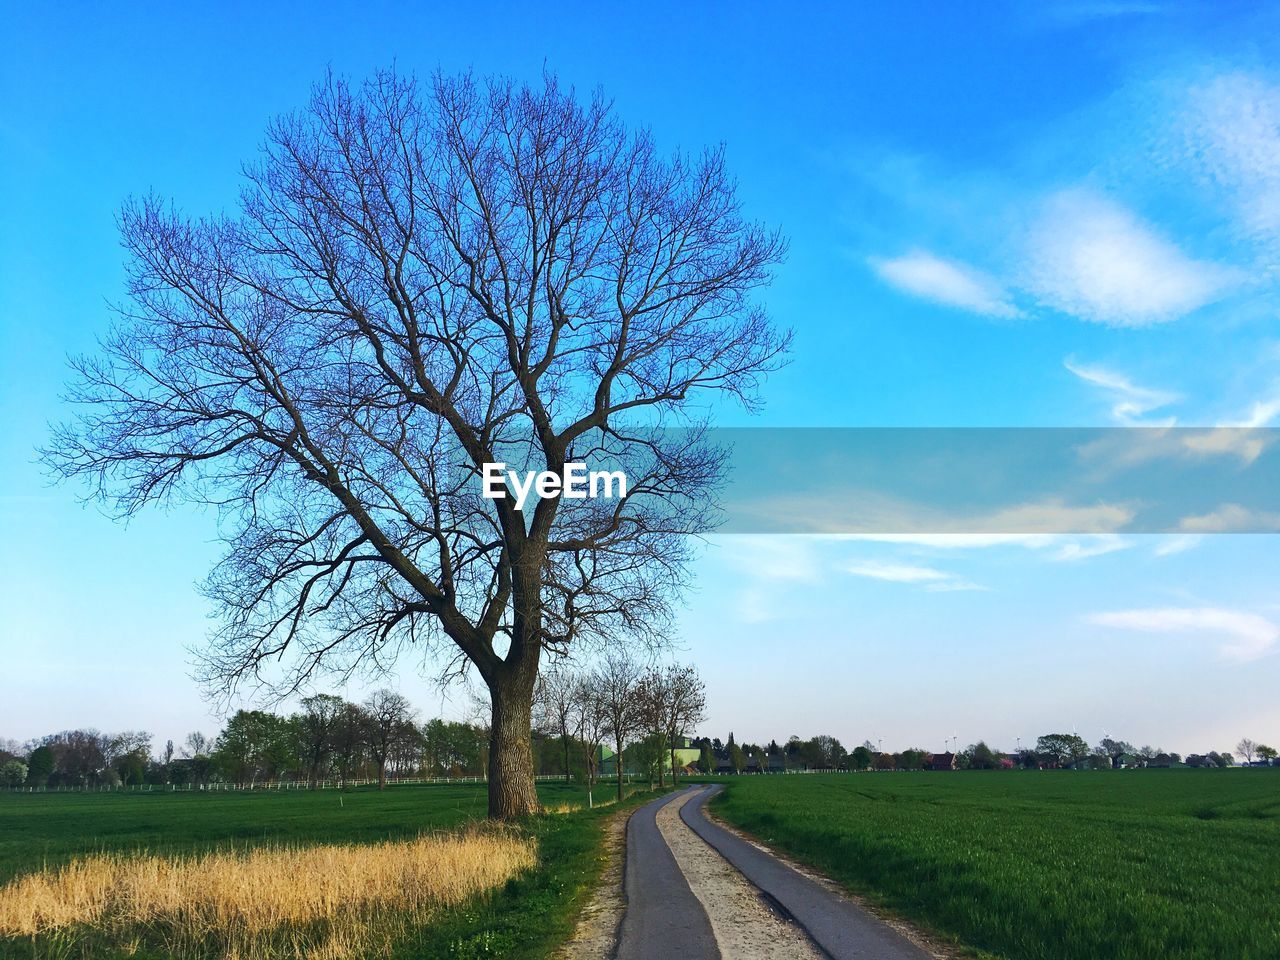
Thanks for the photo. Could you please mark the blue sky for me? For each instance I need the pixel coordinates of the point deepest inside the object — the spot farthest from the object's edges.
(999, 215)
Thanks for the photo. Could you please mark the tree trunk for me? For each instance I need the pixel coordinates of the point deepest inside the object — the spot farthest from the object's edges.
(675, 777)
(618, 764)
(512, 790)
(564, 735)
(382, 774)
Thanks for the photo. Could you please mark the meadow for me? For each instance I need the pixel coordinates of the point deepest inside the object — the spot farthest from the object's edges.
(1044, 865)
(409, 872)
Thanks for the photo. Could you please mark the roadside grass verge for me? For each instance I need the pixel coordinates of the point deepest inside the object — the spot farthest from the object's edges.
(328, 901)
(1052, 865)
(261, 877)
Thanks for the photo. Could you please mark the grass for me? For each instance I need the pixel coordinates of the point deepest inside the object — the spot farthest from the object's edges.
(526, 913)
(329, 901)
(1052, 865)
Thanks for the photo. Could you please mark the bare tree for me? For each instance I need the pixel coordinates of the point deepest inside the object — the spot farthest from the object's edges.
(685, 706)
(420, 281)
(650, 699)
(391, 726)
(1246, 748)
(349, 739)
(554, 702)
(589, 721)
(317, 726)
(196, 744)
(616, 681)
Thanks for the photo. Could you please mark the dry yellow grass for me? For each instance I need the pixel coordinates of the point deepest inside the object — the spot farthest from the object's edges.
(325, 902)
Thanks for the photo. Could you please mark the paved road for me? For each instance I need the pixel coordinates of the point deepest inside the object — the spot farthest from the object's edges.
(842, 929)
(665, 920)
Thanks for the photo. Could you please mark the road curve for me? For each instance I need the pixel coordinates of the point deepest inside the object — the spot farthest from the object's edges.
(842, 929)
(664, 920)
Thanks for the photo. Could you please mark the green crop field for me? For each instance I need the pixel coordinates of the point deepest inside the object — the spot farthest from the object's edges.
(1139, 865)
(528, 917)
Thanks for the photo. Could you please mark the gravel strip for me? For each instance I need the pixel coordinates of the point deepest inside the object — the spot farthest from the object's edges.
(745, 927)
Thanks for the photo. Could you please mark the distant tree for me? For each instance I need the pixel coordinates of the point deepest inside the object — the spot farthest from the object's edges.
(1246, 748)
(389, 724)
(649, 702)
(196, 744)
(1224, 759)
(884, 761)
(1265, 753)
(1114, 750)
(737, 759)
(646, 755)
(982, 757)
(1062, 748)
(13, 773)
(615, 681)
(913, 759)
(554, 706)
(823, 752)
(128, 754)
(317, 725)
(254, 745)
(860, 758)
(684, 707)
(40, 765)
(707, 761)
(589, 721)
(349, 739)
(79, 756)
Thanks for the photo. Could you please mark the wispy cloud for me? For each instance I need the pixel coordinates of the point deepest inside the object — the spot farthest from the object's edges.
(1232, 518)
(1091, 258)
(929, 577)
(1130, 402)
(948, 282)
(1249, 636)
(1173, 545)
(1231, 125)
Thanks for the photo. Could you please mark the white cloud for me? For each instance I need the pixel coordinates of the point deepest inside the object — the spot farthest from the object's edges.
(897, 572)
(932, 579)
(1054, 546)
(1095, 260)
(948, 282)
(1097, 546)
(1231, 123)
(1231, 518)
(1171, 545)
(1131, 403)
(1250, 635)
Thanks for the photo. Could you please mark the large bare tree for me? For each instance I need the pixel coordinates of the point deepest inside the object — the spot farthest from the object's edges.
(422, 279)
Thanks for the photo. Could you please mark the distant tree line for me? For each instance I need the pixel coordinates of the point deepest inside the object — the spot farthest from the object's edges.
(329, 738)
(1052, 751)
(642, 711)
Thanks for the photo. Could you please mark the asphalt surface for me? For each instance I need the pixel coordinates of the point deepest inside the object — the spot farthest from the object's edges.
(842, 929)
(664, 920)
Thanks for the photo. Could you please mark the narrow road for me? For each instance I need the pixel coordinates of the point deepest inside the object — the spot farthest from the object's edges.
(695, 890)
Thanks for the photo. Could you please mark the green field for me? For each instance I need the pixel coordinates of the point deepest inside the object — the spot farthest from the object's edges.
(528, 918)
(1139, 865)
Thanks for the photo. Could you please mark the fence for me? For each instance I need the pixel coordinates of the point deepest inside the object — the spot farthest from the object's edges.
(262, 786)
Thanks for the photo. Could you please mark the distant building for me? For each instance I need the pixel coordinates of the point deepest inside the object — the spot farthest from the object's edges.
(941, 761)
(687, 758)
